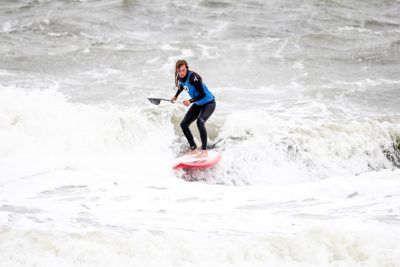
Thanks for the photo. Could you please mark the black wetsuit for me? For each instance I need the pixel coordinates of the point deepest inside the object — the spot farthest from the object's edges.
(199, 112)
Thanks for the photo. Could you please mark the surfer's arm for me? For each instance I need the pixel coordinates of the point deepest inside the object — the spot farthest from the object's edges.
(197, 82)
(180, 89)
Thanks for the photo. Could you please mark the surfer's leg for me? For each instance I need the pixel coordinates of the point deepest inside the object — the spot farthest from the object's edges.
(206, 111)
(190, 117)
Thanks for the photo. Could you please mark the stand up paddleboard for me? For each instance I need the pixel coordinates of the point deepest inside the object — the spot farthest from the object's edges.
(191, 162)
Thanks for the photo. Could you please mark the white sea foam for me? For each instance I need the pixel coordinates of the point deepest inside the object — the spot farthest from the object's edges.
(307, 107)
(338, 221)
(318, 246)
(9, 26)
(269, 147)
(44, 126)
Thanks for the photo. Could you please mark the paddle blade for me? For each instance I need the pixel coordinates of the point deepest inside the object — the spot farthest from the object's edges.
(155, 101)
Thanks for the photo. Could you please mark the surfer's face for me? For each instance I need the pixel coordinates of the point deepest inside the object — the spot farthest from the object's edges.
(182, 71)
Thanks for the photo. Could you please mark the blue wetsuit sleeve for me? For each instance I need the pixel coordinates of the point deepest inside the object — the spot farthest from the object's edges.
(197, 82)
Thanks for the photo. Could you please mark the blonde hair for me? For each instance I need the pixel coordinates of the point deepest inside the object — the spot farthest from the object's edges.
(179, 64)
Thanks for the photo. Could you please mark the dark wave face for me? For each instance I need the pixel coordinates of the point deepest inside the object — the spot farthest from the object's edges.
(328, 50)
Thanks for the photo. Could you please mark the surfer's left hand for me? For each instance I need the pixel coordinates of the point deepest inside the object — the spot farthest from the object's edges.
(186, 102)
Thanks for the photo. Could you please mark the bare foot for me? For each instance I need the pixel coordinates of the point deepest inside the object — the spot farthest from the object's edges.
(203, 154)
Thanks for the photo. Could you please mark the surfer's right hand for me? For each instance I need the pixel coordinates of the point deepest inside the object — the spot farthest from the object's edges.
(173, 99)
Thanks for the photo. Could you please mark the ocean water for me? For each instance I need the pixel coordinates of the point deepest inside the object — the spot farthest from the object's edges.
(308, 110)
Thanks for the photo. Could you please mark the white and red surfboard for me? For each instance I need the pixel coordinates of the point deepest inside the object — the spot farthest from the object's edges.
(192, 162)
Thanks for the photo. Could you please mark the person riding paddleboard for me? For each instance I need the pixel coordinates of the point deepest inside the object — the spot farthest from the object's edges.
(202, 105)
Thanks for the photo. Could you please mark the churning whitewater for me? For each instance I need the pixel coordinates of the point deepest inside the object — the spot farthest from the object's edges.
(308, 111)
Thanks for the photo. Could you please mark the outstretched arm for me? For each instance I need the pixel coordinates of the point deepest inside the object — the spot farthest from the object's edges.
(180, 89)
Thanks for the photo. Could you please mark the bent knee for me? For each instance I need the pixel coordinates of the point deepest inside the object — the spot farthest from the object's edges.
(200, 121)
(184, 125)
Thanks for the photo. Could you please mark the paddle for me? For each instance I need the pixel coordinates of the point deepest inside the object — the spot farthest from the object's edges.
(156, 101)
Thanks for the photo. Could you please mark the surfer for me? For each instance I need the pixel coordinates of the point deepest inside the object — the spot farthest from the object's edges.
(202, 104)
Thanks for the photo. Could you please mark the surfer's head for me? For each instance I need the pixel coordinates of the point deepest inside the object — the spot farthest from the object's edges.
(181, 69)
